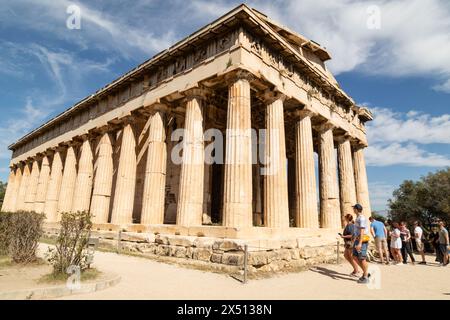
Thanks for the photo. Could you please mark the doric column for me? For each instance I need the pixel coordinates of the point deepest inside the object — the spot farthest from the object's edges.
(23, 187)
(362, 188)
(68, 181)
(237, 204)
(32, 186)
(276, 206)
(346, 177)
(44, 177)
(330, 216)
(9, 190)
(292, 194)
(122, 212)
(83, 184)
(54, 186)
(155, 172)
(15, 190)
(103, 179)
(190, 202)
(305, 174)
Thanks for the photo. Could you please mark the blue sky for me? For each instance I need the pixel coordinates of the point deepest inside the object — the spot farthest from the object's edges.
(400, 69)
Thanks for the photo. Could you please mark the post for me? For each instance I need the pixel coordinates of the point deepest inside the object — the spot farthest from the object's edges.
(119, 239)
(245, 262)
(337, 251)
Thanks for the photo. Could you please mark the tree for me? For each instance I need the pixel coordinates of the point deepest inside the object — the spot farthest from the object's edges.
(2, 192)
(424, 200)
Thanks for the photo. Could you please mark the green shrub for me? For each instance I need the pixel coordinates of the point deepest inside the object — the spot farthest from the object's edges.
(23, 232)
(4, 232)
(71, 242)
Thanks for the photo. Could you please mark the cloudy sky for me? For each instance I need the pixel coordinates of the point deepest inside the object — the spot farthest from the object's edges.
(397, 65)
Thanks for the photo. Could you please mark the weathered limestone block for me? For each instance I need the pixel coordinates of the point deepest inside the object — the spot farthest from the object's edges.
(228, 245)
(204, 243)
(202, 254)
(288, 243)
(284, 254)
(257, 258)
(177, 251)
(233, 258)
(185, 241)
(216, 258)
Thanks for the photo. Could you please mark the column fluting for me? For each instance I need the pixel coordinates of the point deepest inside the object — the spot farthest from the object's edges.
(190, 202)
(362, 187)
(103, 179)
(69, 179)
(54, 186)
(276, 206)
(83, 184)
(122, 212)
(306, 193)
(347, 191)
(155, 172)
(237, 204)
(44, 177)
(330, 216)
(32, 186)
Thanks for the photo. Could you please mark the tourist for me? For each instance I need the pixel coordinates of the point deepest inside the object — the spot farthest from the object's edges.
(379, 233)
(418, 235)
(347, 235)
(388, 225)
(443, 243)
(433, 238)
(396, 243)
(361, 242)
(405, 236)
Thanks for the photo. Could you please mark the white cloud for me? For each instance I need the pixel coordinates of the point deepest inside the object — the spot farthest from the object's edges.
(379, 155)
(380, 192)
(400, 139)
(413, 39)
(414, 126)
(28, 117)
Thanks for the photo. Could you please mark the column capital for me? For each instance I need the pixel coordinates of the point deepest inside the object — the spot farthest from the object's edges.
(357, 145)
(343, 137)
(270, 96)
(303, 113)
(196, 92)
(240, 74)
(325, 126)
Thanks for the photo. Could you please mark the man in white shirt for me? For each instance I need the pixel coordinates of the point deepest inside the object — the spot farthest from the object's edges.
(360, 245)
(418, 233)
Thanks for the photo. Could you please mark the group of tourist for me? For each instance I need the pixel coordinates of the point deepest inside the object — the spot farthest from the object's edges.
(393, 242)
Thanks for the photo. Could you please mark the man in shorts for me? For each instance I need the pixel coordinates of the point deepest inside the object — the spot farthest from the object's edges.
(443, 243)
(360, 246)
(379, 233)
(418, 235)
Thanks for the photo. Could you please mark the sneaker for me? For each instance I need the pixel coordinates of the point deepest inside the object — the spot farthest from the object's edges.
(422, 262)
(388, 263)
(363, 280)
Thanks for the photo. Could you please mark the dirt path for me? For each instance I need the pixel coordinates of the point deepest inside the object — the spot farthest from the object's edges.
(146, 279)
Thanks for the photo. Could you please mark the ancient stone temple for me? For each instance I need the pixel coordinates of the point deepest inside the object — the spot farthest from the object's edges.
(246, 104)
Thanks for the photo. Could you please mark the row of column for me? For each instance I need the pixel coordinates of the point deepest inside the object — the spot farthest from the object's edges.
(87, 182)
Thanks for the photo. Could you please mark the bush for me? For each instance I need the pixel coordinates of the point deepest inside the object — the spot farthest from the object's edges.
(23, 231)
(4, 232)
(71, 242)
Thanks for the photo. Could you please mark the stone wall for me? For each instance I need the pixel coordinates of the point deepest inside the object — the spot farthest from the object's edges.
(222, 254)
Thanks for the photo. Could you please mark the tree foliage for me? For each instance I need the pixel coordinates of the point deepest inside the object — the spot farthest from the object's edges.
(2, 192)
(423, 200)
(71, 242)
